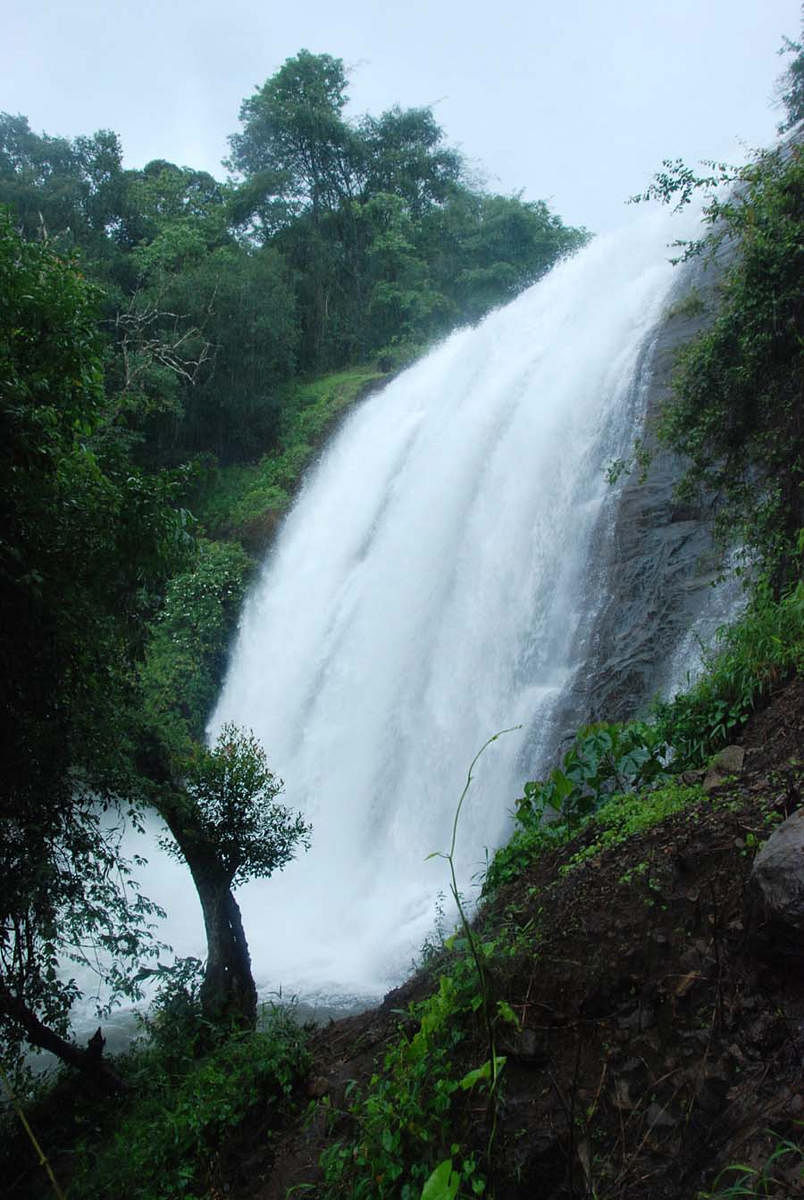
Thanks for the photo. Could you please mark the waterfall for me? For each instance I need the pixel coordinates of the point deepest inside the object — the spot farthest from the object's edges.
(431, 586)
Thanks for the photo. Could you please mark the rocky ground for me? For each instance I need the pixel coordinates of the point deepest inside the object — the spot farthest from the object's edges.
(662, 1036)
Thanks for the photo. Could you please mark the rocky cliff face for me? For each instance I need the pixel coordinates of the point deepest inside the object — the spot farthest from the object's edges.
(656, 594)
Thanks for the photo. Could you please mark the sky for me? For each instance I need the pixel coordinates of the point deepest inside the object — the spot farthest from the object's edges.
(575, 102)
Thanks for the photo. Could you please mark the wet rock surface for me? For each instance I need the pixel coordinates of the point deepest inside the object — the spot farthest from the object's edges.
(655, 593)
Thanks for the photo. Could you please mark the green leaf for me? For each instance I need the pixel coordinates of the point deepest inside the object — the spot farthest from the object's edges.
(443, 1184)
(481, 1073)
(507, 1014)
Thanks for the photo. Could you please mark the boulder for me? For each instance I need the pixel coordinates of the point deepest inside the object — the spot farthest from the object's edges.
(776, 890)
(728, 761)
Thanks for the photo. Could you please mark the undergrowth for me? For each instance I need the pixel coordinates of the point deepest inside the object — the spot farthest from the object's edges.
(783, 1169)
(411, 1122)
(761, 649)
(183, 1109)
(622, 778)
(409, 1116)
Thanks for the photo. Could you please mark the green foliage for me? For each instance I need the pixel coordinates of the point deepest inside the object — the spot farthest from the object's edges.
(511, 861)
(762, 648)
(790, 86)
(619, 778)
(617, 819)
(783, 1169)
(389, 242)
(246, 501)
(67, 190)
(88, 540)
(188, 643)
(230, 796)
(735, 412)
(404, 1122)
(443, 1184)
(490, 1071)
(170, 1139)
(340, 239)
(625, 815)
(240, 303)
(604, 758)
(691, 305)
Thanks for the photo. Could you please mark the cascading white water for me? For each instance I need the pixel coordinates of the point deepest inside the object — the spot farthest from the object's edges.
(426, 591)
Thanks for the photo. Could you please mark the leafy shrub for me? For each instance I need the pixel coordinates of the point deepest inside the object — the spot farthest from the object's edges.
(762, 648)
(404, 1122)
(172, 1138)
(604, 758)
(236, 496)
(623, 816)
(189, 639)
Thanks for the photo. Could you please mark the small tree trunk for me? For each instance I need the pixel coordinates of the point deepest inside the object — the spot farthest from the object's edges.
(228, 991)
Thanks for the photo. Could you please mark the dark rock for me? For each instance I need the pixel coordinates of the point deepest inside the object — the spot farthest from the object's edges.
(728, 761)
(657, 558)
(641, 1018)
(529, 1048)
(538, 1161)
(711, 1094)
(776, 892)
(660, 1118)
(318, 1087)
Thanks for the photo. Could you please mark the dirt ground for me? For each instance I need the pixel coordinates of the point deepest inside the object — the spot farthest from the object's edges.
(660, 1040)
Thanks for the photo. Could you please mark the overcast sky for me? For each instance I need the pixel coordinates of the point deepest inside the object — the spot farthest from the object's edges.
(572, 101)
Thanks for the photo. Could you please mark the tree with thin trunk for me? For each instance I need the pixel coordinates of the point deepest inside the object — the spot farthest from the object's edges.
(228, 827)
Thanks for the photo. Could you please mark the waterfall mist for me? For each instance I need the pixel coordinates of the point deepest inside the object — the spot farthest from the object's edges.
(431, 586)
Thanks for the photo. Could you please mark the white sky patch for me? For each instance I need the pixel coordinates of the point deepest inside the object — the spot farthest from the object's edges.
(575, 103)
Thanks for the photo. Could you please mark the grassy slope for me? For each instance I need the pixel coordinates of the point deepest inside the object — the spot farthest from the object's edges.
(247, 502)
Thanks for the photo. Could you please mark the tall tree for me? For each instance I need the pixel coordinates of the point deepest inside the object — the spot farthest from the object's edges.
(295, 144)
(87, 543)
(68, 191)
(403, 154)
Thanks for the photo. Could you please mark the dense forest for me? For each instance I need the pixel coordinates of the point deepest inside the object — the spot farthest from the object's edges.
(172, 350)
(332, 242)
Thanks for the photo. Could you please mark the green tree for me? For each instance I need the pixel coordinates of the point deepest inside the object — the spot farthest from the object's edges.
(295, 145)
(228, 827)
(87, 543)
(68, 191)
(403, 155)
(241, 302)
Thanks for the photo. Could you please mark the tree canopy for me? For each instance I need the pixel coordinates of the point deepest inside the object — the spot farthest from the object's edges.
(88, 542)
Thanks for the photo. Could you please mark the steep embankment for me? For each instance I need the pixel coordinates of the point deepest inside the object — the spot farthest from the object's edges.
(653, 1042)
